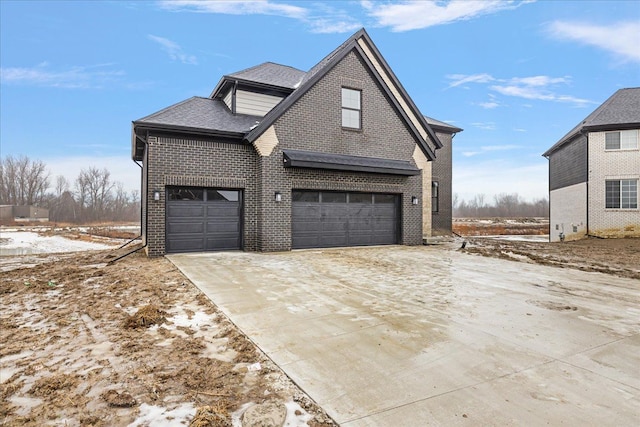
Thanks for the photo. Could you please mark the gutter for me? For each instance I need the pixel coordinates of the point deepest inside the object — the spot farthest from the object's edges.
(146, 193)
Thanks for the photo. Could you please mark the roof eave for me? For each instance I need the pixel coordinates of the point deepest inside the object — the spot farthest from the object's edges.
(438, 144)
(589, 128)
(188, 130)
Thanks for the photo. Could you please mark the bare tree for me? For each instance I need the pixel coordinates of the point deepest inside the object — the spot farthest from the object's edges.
(93, 190)
(505, 205)
(23, 181)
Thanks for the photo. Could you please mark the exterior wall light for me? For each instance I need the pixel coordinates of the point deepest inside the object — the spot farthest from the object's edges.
(156, 195)
(278, 196)
(414, 200)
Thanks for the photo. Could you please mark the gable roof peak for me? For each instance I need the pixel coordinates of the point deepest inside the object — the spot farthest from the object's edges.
(621, 110)
(364, 46)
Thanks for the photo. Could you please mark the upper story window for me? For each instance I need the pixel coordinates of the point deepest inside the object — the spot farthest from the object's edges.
(351, 108)
(621, 194)
(621, 140)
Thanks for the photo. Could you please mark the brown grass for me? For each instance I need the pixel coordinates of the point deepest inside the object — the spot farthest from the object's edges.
(146, 316)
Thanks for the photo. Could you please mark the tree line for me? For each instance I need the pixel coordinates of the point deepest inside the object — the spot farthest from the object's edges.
(93, 196)
(504, 205)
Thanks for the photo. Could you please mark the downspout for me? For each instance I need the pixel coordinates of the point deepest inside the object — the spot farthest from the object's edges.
(586, 135)
(146, 193)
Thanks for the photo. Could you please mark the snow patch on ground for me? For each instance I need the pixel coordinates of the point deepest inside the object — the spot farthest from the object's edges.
(157, 416)
(27, 242)
(543, 238)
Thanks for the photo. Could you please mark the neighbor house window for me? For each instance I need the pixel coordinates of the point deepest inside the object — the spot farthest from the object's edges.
(351, 108)
(621, 194)
(622, 140)
(434, 196)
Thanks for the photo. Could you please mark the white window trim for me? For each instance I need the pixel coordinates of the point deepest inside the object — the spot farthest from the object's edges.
(620, 179)
(614, 150)
(343, 108)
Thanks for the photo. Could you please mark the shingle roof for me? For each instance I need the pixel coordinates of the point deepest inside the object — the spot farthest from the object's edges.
(620, 110)
(203, 114)
(211, 115)
(443, 126)
(272, 74)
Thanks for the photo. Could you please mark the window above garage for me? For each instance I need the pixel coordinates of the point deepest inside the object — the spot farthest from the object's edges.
(351, 108)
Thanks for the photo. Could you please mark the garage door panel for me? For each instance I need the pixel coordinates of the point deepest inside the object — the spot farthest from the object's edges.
(185, 227)
(360, 239)
(223, 227)
(222, 243)
(224, 210)
(185, 245)
(180, 211)
(332, 240)
(345, 219)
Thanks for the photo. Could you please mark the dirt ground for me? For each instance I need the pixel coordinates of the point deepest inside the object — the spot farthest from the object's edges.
(620, 257)
(91, 342)
(86, 342)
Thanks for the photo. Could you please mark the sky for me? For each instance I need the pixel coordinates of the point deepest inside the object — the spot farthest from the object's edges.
(515, 75)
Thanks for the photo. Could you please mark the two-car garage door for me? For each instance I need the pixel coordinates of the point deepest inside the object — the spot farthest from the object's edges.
(321, 219)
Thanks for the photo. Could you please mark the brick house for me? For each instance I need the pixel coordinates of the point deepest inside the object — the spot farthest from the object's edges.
(441, 179)
(277, 158)
(594, 171)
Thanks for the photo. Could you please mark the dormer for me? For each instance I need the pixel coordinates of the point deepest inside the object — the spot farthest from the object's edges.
(257, 90)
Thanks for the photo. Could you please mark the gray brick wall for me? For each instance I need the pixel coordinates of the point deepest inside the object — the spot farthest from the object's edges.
(199, 163)
(314, 124)
(441, 172)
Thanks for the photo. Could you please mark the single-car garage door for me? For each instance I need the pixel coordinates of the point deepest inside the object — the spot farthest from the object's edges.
(203, 219)
(321, 219)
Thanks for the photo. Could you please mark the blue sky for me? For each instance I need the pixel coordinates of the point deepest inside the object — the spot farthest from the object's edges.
(515, 75)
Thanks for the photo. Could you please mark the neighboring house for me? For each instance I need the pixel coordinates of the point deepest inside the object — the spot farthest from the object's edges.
(277, 158)
(594, 172)
(441, 179)
(23, 213)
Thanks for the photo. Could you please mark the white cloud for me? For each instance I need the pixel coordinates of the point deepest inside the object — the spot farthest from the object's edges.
(621, 38)
(489, 105)
(252, 7)
(173, 49)
(417, 14)
(326, 26)
(122, 168)
(489, 148)
(461, 79)
(539, 87)
(319, 17)
(542, 94)
(484, 126)
(539, 80)
(500, 176)
(75, 77)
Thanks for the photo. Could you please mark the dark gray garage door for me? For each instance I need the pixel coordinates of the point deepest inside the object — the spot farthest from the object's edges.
(323, 219)
(203, 219)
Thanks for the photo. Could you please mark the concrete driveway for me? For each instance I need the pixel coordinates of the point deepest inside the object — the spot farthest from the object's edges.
(407, 336)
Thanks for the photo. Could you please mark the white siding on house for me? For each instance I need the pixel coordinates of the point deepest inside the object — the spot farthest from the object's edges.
(608, 165)
(227, 99)
(255, 104)
(568, 213)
